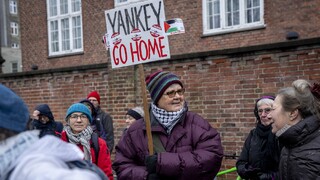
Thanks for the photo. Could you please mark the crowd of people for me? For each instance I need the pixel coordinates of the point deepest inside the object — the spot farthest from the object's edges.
(284, 144)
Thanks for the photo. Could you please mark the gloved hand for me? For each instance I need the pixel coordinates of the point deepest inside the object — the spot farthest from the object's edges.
(151, 163)
(153, 176)
(252, 172)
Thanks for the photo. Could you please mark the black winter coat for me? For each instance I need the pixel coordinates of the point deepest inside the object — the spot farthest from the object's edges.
(107, 123)
(300, 157)
(260, 155)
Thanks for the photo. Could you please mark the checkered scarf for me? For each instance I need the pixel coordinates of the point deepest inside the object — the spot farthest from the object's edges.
(82, 138)
(167, 119)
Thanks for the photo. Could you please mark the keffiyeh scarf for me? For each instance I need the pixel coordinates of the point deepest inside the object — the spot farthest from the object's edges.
(82, 138)
(167, 119)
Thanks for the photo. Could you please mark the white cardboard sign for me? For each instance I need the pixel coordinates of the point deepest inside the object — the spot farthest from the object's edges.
(136, 34)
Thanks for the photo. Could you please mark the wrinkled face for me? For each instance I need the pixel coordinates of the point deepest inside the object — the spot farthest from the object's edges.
(263, 112)
(94, 101)
(129, 120)
(279, 117)
(172, 99)
(78, 122)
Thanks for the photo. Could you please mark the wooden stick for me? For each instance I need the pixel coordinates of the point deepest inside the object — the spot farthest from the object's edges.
(145, 108)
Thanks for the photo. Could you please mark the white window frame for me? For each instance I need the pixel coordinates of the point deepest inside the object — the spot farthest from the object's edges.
(13, 6)
(68, 39)
(12, 68)
(242, 26)
(14, 28)
(118, 3)
(14, 45)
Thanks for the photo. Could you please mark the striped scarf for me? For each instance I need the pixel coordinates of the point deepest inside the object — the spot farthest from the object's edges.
(82, 138)
(167, 119)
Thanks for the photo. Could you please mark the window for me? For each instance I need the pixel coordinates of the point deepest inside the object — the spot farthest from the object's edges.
(14, 67)
(223, 16)
(14, 28)
(13, 7)
(14, 45)
(124, 2)
(64, 26)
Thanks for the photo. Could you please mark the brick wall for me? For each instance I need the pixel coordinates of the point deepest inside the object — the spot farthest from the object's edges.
(280, 17)
(222, 89)
(223, 74)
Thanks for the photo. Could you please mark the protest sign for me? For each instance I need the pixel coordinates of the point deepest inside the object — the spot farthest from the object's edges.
(135, 33)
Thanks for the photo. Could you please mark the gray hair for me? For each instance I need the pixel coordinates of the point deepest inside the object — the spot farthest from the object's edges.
(300, 97)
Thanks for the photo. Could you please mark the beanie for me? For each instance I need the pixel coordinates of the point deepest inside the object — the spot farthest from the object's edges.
(88, 103)
(78, 107)
(158, 82)
(44, 109)
(136, 113)
(94, 94)
(14, 113)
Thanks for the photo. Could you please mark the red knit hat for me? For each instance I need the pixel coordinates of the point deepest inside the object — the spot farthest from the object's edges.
(94, 94)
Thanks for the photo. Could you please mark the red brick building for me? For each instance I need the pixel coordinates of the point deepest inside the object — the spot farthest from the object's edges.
(230, 55)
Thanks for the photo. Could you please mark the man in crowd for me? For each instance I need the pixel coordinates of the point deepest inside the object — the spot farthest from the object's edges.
(104, 118)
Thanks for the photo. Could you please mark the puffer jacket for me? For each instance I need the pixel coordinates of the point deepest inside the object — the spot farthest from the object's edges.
(260, 155)
(300, 157)
(193, 150)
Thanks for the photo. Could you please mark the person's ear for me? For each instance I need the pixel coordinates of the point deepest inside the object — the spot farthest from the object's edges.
(294, 114)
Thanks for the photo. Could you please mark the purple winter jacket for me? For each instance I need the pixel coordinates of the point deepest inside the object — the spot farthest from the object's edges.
(193, 150)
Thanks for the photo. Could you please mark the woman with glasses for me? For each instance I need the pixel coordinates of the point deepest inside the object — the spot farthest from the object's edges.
(78, 131)
(185, 144)
(260, 155)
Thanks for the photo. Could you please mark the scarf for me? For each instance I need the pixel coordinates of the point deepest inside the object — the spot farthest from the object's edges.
(13, 147)
(167, 119)
(269, 147)
(82, 138)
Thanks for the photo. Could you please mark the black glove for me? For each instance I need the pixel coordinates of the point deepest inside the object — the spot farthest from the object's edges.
(252, 172)
(153, 176)
(151, 163)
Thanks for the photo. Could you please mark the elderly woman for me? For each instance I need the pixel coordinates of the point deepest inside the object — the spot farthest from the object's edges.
(78, 131)
(186, 145)
(260, 154)
(296, 122)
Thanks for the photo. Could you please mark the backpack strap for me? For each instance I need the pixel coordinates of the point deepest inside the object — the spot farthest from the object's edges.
(157, 144)
(96, 147)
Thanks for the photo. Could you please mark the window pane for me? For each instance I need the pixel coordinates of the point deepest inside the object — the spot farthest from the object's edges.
(256, 3)
(54, 36)
(76, 28)
(233, 12)
(256, 15)
(65, 32)
(53, 7)
(75, 5)
(63, 6)
(14, 67)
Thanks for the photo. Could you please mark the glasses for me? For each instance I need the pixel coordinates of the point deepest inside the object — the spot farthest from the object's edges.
(76, 116)
(172, 93)
(266, 110)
